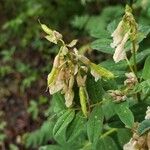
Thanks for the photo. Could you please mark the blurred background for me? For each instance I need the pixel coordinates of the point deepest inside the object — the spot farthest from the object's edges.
(26, 57)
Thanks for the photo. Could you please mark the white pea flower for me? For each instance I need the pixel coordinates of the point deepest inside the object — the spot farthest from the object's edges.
(69, 96)
(148, 113)
(56, 87)
(117, 35)
(127, 28)
(131, 145)
(120, 53)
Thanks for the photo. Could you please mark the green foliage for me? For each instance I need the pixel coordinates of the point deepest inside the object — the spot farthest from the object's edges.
(33, 109)
(123, 136)
(124, 114)
(40, 136)
(95, 125)
(102, 45)
(144, 126)
(60, 127)
(26, 60)
(146, 69)
(107, 143)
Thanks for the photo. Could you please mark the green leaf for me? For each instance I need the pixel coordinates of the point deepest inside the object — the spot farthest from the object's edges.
(102, 45)
(112, 66)
(144, 126)
(124, 113)
(106, 143)
(108, 109)
(95, 124)
(143, 32)
(94, 89)
(139, 110)
(80, 21)
(112, 26)
(146, 69)
(58, 103)
(59, 130)
(143, 86)
(76, 127)
(124, 136)
(41, 135)
(50, 147)
(140, 56)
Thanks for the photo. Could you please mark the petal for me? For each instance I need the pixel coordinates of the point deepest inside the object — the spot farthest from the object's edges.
(117, 35)
(69, 95)
(120, 52)
(95, 75)
(130, 145)
(56, 87)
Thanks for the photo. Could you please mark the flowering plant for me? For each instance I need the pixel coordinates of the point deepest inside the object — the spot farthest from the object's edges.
(97, 107)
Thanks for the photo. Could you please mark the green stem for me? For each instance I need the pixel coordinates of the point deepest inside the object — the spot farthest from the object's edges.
(99, 103)
(134, 57)
(109, 132)
(128, 62)
(135, 66)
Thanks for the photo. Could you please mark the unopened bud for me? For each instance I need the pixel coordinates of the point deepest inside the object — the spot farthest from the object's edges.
(102, 72)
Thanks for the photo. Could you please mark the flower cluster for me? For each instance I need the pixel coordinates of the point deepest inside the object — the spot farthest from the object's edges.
(126, 29)
(70, 67)
(131, 79)
(139, 142)
(117, 95)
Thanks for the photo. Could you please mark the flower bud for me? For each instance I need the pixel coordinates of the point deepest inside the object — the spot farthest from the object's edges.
(100, 71)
